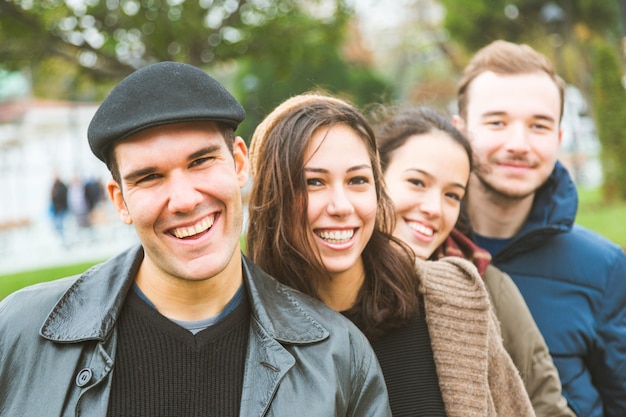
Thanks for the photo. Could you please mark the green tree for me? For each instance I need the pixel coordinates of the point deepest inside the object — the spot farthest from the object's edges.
(311, 60)
(475, 23)
(263, 50)
(610, 112)
(110, 38)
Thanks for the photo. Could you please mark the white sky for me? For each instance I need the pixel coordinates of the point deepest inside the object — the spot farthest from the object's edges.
(381, 21)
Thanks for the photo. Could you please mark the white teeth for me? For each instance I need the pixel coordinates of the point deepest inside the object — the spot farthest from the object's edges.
(199, 227)
(421, 228)
(338, 236)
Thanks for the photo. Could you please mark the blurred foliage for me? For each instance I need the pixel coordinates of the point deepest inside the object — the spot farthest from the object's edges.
(79, 49)
(609, 98)
(111, 38)
(309, 61)
(475, 23)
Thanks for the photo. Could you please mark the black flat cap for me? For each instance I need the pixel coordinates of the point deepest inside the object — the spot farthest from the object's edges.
(159, 94)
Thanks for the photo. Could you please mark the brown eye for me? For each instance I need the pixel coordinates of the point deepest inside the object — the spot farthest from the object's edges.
(147, 178)
(359, 180)
(201, 161)
(416, 182)
(455, 196)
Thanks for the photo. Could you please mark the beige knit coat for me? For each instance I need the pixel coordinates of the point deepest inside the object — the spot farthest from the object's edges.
(476, 375)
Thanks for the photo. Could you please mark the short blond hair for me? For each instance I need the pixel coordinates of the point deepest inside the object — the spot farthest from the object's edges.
(506, 58)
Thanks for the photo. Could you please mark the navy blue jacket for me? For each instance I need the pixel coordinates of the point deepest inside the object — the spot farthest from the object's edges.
(574, 282)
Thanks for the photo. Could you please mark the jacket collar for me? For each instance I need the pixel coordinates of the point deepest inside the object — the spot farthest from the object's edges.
(279, 310)
(553, 211)
(89, 309)
(556, 202)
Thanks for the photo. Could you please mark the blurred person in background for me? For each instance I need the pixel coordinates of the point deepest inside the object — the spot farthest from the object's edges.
(77, 202)
(59, 206)
(94, 195)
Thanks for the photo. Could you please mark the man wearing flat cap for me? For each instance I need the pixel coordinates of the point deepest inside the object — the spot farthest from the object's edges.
(183, 324)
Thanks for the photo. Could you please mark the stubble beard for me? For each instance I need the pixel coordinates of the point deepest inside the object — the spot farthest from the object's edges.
(496, 192)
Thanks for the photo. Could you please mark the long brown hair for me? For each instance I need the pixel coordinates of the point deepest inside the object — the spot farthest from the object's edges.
(277, 236)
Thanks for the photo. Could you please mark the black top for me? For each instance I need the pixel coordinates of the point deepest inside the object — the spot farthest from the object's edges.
(162, 369)
(406, 358)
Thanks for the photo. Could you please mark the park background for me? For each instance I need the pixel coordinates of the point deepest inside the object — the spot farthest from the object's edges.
(59, 59)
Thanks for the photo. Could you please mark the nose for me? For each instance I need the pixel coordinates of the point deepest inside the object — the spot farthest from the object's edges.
(431, 203)
(183, 194)
(339, 203)
(517, 141)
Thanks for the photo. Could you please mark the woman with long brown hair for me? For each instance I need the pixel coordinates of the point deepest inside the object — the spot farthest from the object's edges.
(321, 221)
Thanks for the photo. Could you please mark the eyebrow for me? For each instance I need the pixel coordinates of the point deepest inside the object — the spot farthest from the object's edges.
(535, 116)
(324, 170)
(546, 118)
(134, 175)
(204, 151)
(420, 171)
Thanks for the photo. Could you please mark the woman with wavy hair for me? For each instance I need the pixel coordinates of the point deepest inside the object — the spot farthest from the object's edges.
(426, 162)
(321, 222)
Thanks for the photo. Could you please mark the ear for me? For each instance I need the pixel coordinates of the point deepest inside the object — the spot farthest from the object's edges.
(242, 163)
(117, 198)
(560, 136)
(459, 123)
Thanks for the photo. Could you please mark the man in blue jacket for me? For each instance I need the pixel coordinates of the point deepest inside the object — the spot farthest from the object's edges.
(183, 324)
(522, 204)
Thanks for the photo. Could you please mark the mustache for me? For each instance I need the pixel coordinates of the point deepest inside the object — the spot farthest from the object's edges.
(515, 161)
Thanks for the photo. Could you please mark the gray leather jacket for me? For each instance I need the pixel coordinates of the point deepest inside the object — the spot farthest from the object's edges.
(58, 339)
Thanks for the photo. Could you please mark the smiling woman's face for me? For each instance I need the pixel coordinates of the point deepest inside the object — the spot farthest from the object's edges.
(426, 178)
(342, 199)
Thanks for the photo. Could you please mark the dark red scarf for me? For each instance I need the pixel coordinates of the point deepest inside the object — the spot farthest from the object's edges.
(457, 244)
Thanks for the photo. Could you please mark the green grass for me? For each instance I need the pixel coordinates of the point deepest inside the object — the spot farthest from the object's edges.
(12, 282)
(592, 213)
(15, 281)
(606, 219)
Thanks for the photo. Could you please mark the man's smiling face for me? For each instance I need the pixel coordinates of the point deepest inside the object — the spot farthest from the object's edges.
(180, 187)
(513, 125)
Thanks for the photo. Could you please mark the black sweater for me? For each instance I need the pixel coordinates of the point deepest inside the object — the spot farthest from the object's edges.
(162, 369)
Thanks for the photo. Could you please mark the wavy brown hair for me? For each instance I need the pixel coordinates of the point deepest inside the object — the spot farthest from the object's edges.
(277, 236)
